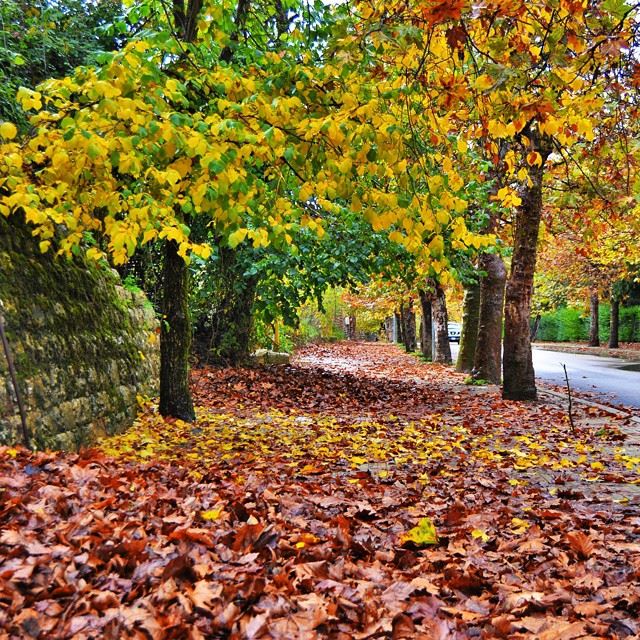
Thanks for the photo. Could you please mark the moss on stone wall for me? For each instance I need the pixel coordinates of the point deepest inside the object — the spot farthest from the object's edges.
(84, 346)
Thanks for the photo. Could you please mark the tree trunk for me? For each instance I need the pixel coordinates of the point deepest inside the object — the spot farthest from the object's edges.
(224, 320)
(426, 326)
(351, 328)
(487, 362)
(535, 328)
(223, 337)
(614, 323)
(594, 327)
(399, 325)
(519, 376)
(388, 328)
(469, 334)
(175, 338)
(410, 328)
(175, 332)
(403, 324)
(439, 307)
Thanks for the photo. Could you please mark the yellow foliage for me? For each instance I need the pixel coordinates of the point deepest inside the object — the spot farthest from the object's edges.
(8, 131)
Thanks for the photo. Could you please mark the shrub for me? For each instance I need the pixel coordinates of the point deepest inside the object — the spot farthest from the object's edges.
(568, 324)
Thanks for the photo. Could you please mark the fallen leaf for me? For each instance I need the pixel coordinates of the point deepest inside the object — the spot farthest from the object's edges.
(423, 534)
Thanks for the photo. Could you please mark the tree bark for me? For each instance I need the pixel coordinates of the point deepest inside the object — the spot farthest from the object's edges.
(399, 326)
(426, 326)
(410, 328)
(186, 20)
(536, 327)
(487, 362)
(175, 332)
(519, 376)
(352, 327)
(469, 334)
(614, 323)
(223, 335)
(175, 338)
(388, 328)
(440, 319)
(594, 327)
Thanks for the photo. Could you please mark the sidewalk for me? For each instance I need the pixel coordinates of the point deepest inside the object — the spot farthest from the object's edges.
(627, 350)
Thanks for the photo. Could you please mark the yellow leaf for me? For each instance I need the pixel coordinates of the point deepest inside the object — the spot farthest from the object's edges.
(307, 538)
(306, 191)
(396, 236)
(479, 533)
(424, 534)
(59, 159)
(483, 82)
(501, 130)
(519, 526)
(211, 514)
(8, 131)
(345, 166)
(94, 253)
(203, 251)
(149, 235)
(442, 217)
(237, 237)
(44, 246)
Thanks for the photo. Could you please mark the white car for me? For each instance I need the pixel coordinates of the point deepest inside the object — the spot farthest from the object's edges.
(454, 329)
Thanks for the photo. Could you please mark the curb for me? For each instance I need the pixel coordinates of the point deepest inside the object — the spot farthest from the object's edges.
(625, 355)
(597, 405)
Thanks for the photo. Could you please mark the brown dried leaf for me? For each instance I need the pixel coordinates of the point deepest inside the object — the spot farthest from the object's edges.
(580, 543)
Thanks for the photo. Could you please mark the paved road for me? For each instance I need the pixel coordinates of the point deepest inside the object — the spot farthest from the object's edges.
(611, 379)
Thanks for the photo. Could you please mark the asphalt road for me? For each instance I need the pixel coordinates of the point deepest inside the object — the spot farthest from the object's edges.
(609, 379)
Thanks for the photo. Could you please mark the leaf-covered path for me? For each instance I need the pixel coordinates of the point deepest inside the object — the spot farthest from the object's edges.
(300, 506)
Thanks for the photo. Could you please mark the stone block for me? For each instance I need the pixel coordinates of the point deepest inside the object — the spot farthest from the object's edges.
(264, 356)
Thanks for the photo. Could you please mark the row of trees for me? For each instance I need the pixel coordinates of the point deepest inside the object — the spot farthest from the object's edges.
(415, 137)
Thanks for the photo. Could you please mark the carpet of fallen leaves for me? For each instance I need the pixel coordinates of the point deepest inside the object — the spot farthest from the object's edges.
(358, 493)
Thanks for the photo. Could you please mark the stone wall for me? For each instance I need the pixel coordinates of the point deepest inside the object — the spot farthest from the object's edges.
(84, 347)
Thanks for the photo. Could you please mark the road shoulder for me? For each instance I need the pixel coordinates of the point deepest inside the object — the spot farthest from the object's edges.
(627, 351)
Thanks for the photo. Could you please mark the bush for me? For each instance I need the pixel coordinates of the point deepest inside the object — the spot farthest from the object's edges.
(568, 324)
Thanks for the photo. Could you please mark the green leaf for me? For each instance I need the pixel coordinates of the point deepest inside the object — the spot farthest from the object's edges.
(422, 535)
(619, 8)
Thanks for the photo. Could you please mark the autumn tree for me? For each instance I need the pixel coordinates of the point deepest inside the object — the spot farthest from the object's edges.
(166, 132)
(528, 76)
(591, 212)
(269, 284)
(49, 39)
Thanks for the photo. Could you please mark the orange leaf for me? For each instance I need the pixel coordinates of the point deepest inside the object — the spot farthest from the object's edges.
(580, 543)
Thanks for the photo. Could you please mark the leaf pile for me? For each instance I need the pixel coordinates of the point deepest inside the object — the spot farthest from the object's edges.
(467, 517)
